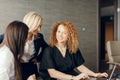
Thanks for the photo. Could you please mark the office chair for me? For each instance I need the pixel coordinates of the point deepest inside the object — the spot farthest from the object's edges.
(113, 50)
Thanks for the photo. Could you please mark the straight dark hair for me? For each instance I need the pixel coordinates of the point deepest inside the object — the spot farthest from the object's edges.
(15, 37)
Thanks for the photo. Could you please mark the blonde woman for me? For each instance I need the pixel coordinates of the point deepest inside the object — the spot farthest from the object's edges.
(34, 21)
(35, 44)
(63, 56)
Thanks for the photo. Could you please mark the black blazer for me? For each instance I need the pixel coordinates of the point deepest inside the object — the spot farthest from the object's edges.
(39, 45)
(1, 38)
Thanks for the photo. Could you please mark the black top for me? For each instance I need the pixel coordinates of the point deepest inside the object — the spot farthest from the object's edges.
(52, 58)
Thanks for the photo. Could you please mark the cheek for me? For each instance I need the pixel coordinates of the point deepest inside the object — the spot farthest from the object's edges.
(39, 29)
(56, 36)
(35, 32)
(66, 37)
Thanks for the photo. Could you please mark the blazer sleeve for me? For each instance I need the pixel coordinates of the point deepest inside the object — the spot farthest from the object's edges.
(1, 38)
(41, 45)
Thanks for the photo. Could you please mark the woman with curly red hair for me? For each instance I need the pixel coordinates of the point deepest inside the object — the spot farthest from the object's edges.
(63, 55)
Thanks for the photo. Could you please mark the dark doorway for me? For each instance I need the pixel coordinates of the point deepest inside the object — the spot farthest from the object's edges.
(107, 34)
(107, 29)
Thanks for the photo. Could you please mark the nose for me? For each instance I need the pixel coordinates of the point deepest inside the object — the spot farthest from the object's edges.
(61, 34)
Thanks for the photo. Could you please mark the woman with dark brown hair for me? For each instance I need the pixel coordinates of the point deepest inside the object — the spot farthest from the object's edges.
(12, 49)
(63, 56)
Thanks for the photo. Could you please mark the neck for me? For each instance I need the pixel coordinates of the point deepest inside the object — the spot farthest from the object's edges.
(62, 48)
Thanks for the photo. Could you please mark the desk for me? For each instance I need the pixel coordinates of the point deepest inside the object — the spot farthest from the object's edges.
(102, 79)
(98, 79)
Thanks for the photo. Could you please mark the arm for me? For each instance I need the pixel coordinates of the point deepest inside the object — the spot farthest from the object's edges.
(60, 75)
(5, 65)
(3, 74)
(79, 61)
(32, 77)
(84, 69)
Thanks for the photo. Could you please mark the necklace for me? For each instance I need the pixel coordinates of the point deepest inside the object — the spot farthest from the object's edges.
(62, 50)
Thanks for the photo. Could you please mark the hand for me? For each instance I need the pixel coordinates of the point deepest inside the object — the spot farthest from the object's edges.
(99, 75)
(34, 60)
(32, 77)
(81, 76)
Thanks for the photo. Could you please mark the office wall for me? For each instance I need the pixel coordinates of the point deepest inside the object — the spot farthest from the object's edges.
(118, 20)
(83, 13)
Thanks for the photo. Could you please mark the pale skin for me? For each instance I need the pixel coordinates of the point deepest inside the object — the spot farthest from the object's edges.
(32, 77)
(62, 37)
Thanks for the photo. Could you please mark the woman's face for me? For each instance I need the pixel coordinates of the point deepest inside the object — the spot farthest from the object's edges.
(62, 34)
(37, 30)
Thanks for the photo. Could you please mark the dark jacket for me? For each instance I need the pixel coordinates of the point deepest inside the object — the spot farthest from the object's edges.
(40, 46)
(1, 38)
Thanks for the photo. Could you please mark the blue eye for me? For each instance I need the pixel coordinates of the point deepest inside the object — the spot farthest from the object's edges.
(58, 31)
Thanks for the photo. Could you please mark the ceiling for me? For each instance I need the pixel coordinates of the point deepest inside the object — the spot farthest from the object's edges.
(106, 7)
(106, 3)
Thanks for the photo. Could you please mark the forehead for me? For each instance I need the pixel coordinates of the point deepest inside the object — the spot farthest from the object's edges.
(62, 27)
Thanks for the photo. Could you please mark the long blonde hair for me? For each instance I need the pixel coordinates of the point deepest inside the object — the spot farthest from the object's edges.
(34, 21)
(72, 36)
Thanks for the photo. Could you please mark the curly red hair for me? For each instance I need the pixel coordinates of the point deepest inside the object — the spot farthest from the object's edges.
(72, 42)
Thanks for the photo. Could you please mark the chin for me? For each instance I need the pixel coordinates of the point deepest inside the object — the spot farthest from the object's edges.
(61, 41)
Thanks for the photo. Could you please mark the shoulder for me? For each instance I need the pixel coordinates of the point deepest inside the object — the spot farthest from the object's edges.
(6, 56)
(1, 35)
(1, 38)
(5, 52)
(49, 50)
(40, 35)
(78, 52)
(39, 38)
